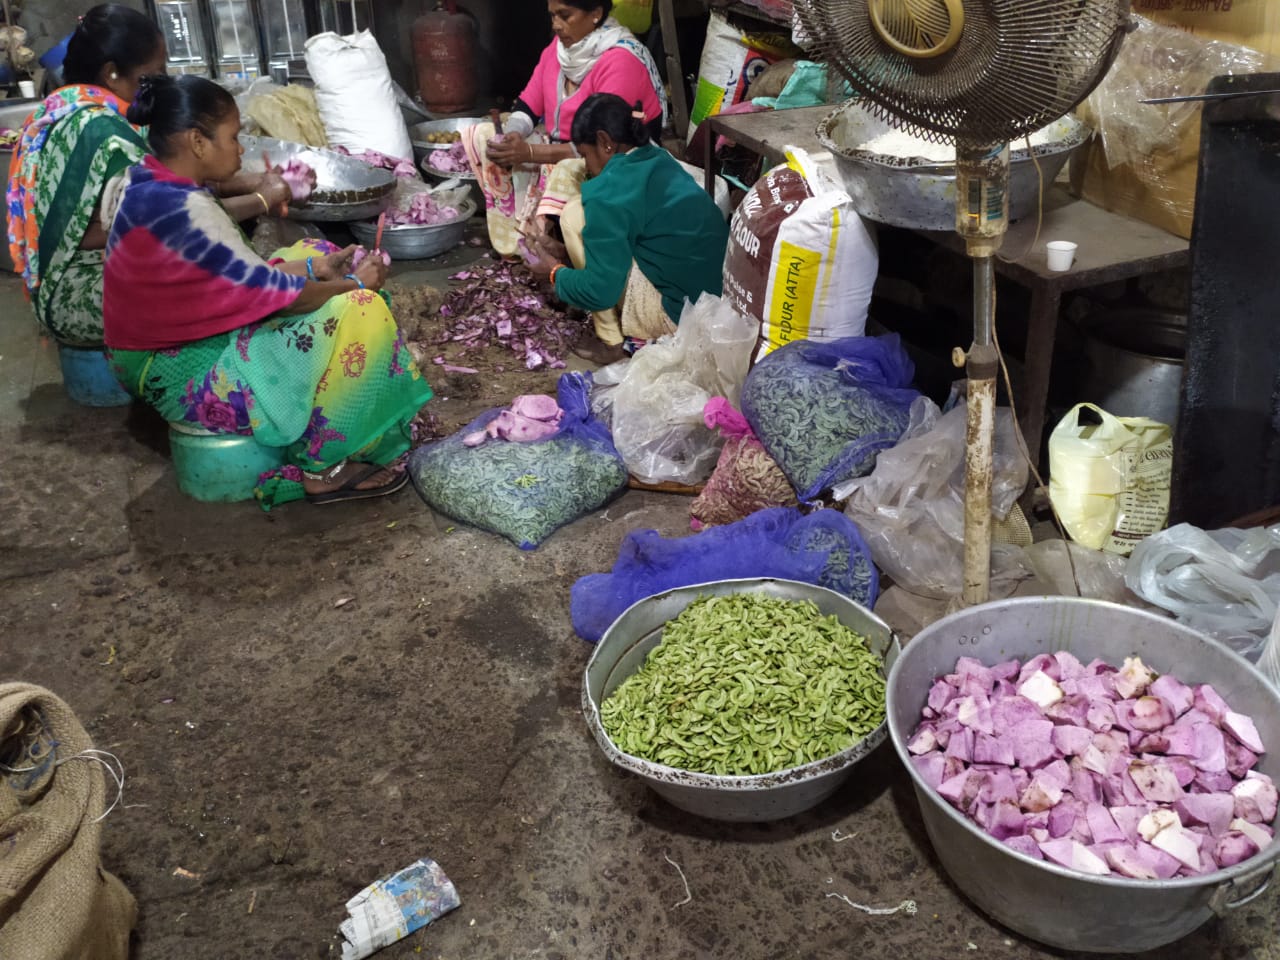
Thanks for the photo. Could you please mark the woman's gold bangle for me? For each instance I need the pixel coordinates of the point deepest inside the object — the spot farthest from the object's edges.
(530, 146)
(266, 207)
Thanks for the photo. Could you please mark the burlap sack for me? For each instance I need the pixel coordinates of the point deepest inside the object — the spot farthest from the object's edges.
(56, 902)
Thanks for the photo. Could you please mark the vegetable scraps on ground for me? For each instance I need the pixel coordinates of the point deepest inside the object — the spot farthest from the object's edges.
(1097, 769)
(748, 684)
(502, 303)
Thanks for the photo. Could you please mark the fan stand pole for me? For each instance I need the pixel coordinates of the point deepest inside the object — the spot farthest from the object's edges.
(981, 366)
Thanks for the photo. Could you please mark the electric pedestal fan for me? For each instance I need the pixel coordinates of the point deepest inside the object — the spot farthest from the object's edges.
(978, 74)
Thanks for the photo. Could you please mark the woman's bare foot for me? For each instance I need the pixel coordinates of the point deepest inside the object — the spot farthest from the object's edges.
(352, 481)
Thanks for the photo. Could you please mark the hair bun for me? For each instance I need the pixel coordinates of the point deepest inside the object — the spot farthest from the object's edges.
(144, 101)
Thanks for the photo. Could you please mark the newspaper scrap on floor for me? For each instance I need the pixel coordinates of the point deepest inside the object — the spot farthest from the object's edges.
(390, 909)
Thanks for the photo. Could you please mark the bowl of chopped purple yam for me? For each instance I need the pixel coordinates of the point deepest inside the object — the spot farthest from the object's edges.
(1095, 777)
(426, 229)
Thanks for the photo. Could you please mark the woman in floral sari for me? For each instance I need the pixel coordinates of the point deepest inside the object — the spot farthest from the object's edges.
(299, 352)
(526, 181)
(72, 146)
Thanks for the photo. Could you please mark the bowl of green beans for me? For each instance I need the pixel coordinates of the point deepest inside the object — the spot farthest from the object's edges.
(741, 700)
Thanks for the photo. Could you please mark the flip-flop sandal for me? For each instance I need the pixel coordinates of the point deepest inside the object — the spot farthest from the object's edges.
(351, 491)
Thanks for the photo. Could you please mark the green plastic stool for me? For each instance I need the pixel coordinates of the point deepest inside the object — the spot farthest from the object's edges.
(219, 467)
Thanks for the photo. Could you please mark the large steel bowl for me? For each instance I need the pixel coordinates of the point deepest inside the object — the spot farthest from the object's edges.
(419, 132)
(920, 194)
(769, 796)
(417, 241)
(346, 188)
(1046, 902)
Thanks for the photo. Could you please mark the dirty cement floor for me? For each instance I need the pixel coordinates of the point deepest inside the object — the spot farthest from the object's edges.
(288, 750)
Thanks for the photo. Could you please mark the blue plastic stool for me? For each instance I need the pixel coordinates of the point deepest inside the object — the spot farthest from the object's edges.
(219, 467)
(88, 379)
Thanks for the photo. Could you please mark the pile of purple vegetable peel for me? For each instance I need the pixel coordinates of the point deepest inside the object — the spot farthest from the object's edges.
(501, 303)
(1097, 769)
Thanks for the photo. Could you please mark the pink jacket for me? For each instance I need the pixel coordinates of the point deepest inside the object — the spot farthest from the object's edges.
(617, 71)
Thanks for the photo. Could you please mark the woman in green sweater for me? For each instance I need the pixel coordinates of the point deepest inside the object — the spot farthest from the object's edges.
(645, 238)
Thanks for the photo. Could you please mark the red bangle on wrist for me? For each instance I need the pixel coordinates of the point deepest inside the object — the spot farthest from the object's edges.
(554, 270)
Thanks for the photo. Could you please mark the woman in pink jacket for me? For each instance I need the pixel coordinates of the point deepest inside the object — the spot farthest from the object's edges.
(528, 176)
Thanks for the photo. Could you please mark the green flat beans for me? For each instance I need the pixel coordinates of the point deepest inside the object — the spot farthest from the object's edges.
(748, 684)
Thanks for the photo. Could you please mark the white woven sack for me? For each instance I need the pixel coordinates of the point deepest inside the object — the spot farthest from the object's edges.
(355, 95)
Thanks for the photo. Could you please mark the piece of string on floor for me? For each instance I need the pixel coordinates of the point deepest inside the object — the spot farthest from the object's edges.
(687, 895)
(906, 906)
(109, 761)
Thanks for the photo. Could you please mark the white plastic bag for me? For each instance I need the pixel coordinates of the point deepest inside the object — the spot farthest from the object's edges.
(800, 260)
(1109, 482)
(355, 95)
(1269, 662)
(655, 409)
(910, 509)
(1224, 582)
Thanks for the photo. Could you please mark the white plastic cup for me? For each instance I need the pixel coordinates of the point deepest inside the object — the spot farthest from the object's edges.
(27, 88)
(1062, 253)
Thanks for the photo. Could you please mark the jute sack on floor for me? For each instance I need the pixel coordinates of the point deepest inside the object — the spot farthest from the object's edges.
(56, 902)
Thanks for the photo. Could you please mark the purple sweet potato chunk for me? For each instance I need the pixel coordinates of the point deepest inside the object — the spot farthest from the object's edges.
(974, 712)
(1063, 817)
(1182, 768)
(961, 790)
(1100, 715)
(1007, 670)
(1043, 662)
(1074, 855)
(1214, 781)
(923, 740)
(1255, 798)
(1003, 690)
(940, 694)
(1240, 760)
(998, 787)
(1211, 748)
(1069, 668)
(1174, 692)
(1072, 709)
(1213, 810)
(1181, 738)
(1103, 828)
(931, 767)
(1127, 819)
(1011, 711)
(1071, 740)
(1024, 845)
(1141, 861)
(1157, 782)
(1124, 714)
(988, 749)
(1032, 743)
(1209, 702)
(1150, 714)
(1153, 743)
(1232, 848)
(1084, 785)
(1042, 794)
(960, 745)
(1113, 743)
(1006, 821)
(1096, 687)
(975, 677)
(1242, 728)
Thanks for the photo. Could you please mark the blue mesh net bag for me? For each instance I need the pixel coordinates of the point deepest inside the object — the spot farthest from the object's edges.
(824, 548)
(524, 491)
(824, 410)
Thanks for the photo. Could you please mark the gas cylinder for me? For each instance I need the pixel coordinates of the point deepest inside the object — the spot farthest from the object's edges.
(444, 51)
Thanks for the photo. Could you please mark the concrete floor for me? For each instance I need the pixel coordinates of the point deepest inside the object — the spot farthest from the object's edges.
(288, 750)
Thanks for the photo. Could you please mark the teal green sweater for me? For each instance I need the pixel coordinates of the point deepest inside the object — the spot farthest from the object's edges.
(644, 207)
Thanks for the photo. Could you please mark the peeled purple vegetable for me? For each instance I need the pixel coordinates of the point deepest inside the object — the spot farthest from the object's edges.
(1097, 769)
(300, 177)
(453, 160)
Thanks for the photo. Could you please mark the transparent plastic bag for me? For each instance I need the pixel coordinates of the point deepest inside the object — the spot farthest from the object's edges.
(655, 403)
(1158, 61)
(1223, 582)
(910, 509)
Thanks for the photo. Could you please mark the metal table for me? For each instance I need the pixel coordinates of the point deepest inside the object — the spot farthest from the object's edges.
(1112, 247)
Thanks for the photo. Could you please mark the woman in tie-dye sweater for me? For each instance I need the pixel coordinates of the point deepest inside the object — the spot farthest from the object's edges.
(300, 351)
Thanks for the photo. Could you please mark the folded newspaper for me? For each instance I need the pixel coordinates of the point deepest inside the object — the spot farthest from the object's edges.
(390, 909)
